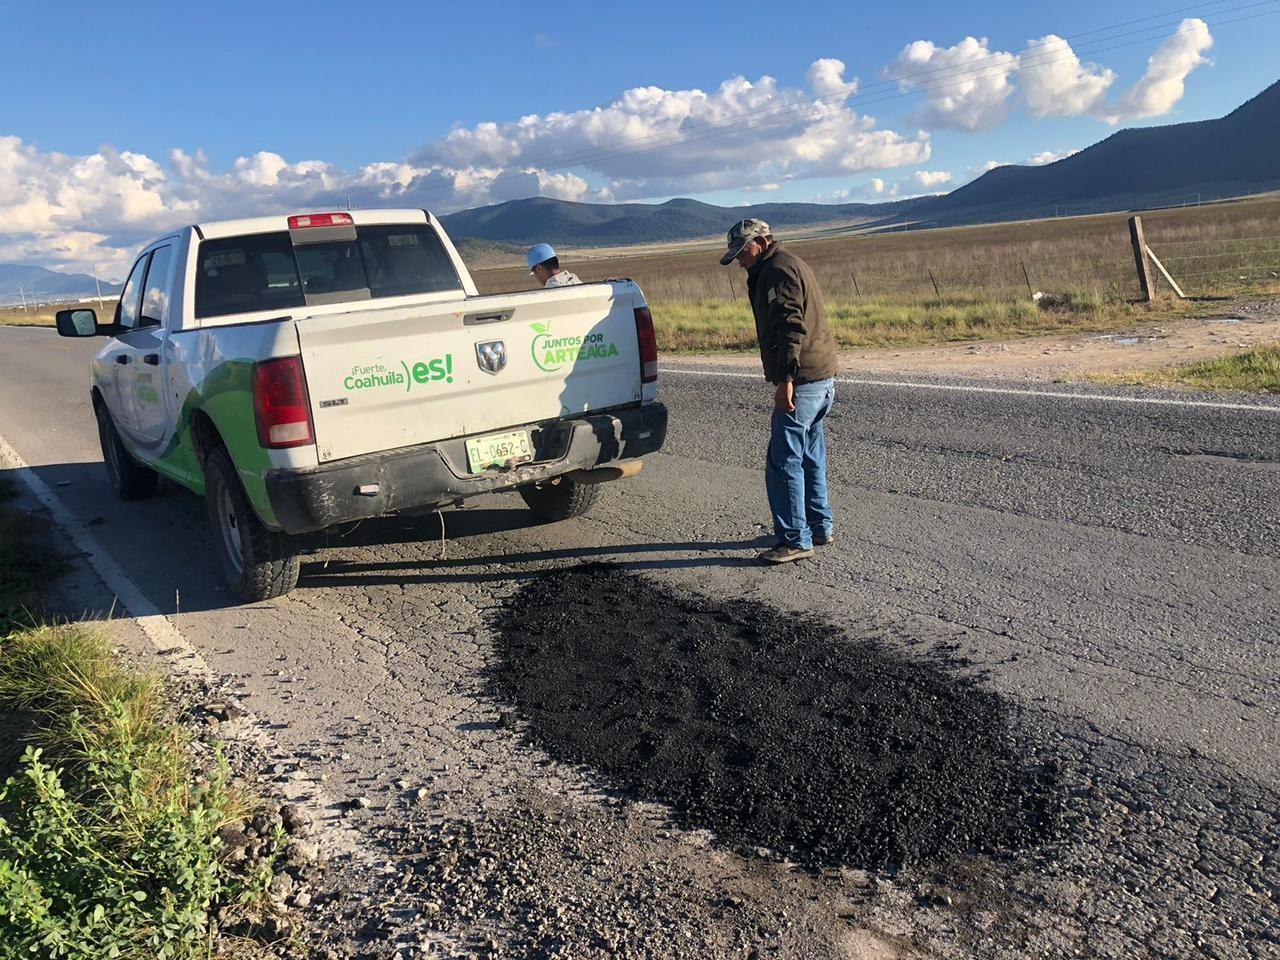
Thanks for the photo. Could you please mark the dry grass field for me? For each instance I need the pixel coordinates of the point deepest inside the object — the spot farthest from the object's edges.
(931, 286)
(42, 316)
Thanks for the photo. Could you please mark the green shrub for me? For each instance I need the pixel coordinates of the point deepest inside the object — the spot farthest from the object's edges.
(109, 838)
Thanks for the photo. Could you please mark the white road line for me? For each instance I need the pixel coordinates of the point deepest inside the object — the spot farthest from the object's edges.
(174, 648)
(1017, 391)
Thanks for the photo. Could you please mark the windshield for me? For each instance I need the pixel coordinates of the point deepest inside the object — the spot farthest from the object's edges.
(267, 271)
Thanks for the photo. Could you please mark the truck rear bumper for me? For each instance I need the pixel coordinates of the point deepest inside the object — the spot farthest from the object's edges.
(435, 473)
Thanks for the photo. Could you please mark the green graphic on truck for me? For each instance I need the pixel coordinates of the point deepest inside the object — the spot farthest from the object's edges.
(369, 376)
(551, 353)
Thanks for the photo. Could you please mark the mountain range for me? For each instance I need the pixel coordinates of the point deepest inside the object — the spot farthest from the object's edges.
(1231, 156)
(614, 224)
(33, 282)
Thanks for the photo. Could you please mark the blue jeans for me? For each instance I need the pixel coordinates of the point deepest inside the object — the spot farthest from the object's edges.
(795, 473)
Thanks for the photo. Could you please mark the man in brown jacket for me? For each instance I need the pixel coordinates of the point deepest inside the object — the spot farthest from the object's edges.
(799, 358)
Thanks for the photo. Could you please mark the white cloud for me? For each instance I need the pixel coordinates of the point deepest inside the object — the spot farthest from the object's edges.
(930, 178)
(916, 184)
(971, 87)
(73, 212)
(1163, 85)
(966, 86)
(974, 172)
(1054, 83)
(1036, 160)
(826, 79)
(652, 142)
(1049, 156)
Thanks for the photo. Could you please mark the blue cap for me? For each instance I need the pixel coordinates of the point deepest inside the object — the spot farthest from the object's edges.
(538, 253)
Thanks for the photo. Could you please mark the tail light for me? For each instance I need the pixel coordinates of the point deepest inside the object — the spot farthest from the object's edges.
(320, 220)
(648, 341)
(280, 404)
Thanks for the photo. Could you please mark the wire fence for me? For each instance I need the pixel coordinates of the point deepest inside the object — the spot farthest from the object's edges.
(1204, 267)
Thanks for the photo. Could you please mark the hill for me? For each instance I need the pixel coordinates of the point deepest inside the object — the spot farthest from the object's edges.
(476, 252)
(37, 282)
(615, 224)
(1231, 156)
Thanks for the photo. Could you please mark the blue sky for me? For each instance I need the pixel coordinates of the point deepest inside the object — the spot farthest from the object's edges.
(349, 85)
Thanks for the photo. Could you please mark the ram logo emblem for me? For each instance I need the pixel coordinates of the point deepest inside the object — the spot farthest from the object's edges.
(491, 355)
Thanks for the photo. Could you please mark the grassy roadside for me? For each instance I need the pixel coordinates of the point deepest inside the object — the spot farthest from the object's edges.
(110, 828)
(1254, 371)
(722, 325)
(25, 320)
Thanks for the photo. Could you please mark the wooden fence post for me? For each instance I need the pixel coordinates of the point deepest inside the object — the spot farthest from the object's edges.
(854, 276)
(1167, 275)
(1140, 258)
(1026, 278)
(936, 292)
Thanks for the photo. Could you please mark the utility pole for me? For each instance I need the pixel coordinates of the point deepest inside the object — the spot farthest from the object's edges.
(23, 294)
(99, 287)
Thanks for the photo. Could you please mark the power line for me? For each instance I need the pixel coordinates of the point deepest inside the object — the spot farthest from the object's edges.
(791, 111)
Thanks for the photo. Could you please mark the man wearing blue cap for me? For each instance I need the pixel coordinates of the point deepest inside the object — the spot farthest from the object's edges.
(545, 266)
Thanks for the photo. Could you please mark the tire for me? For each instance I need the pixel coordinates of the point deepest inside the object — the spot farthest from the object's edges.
(560, 498)
(130, 479)
(258, 563)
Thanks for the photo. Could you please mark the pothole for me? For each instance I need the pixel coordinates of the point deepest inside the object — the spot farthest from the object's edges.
(770, 730)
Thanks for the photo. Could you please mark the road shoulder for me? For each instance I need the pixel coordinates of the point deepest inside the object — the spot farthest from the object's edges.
(1053, 359)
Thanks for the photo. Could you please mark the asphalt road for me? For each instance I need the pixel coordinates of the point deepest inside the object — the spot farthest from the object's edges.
(1109, 569)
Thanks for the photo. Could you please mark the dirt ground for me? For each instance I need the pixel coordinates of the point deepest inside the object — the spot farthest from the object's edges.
(1230, 328)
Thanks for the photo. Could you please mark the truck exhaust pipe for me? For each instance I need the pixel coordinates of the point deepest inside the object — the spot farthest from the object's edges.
(614, 471)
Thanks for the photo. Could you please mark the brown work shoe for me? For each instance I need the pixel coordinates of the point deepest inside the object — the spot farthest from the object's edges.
(822, 539)
(784, 553)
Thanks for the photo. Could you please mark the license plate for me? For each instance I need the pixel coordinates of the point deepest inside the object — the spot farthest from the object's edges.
(498, 450)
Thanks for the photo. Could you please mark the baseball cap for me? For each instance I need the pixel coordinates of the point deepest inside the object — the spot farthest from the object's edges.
(538, 253)
(740, 233)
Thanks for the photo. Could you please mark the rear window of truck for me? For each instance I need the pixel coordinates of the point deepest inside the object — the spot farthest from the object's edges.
(266, 271)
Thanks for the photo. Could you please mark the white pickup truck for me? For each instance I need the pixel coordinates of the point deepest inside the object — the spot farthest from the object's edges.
(305, 371)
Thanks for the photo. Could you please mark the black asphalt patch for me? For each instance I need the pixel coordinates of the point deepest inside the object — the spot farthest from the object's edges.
(768, 729)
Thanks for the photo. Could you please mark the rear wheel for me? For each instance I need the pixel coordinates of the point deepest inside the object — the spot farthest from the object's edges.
(258, 563)
(560, 498)
(130, 479)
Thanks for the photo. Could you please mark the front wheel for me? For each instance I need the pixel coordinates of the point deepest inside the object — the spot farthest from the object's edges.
(130, 479)
(560, 498)
(258, 563)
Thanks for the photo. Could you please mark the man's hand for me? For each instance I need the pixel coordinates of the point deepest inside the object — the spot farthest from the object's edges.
(784, 398)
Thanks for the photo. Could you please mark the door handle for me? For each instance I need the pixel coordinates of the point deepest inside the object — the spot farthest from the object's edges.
(152, 359)
(122, 358)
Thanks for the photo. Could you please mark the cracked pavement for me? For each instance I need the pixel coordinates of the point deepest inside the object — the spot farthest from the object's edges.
(1111, 569)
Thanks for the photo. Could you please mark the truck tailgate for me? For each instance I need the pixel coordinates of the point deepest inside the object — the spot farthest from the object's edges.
(381, 379)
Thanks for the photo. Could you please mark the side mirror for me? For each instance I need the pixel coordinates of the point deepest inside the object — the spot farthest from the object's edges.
(77, 323)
